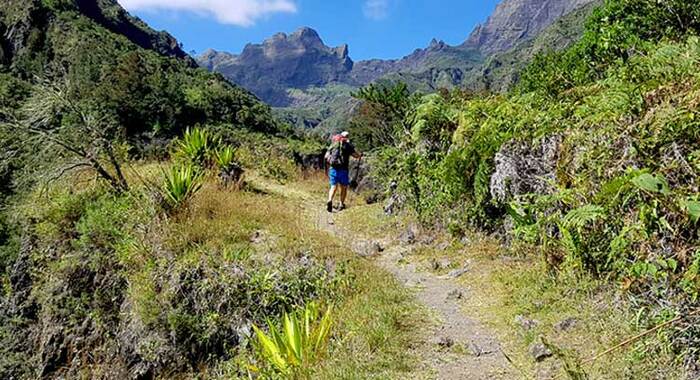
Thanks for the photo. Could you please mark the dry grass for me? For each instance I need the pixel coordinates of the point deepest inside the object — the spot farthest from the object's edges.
(377, 318)
(502, 287)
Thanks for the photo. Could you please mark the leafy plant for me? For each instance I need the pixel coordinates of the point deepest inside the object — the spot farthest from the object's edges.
(181, 182)
(651, 183)
(193, 147)
(302, 339)
(692, 207)
(224, 157)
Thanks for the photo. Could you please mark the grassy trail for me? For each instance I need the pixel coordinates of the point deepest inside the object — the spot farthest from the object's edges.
(454, 345)
(487, 307)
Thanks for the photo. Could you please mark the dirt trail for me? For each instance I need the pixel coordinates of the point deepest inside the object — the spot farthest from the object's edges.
(459, 347)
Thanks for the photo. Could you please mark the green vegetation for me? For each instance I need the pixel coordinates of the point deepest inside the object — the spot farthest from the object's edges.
(591, 162)
(181, 182)
(589, 170)
(194, 147)
(224, 157)
(302, 339)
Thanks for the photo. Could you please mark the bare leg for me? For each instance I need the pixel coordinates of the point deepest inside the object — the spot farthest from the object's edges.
(331, 193)
(343, 194)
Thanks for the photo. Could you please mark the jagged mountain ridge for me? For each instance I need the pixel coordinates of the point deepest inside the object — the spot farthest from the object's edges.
(297, 60)
(301, 60)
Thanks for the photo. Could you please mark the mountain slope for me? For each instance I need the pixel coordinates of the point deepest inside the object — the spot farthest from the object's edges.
(501, 70)
(112, 59)
(297, 60)
(65, 308)
(515, 21)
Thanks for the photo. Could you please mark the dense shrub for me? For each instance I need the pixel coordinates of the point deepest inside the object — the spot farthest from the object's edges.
(592, 161)
(614, 33)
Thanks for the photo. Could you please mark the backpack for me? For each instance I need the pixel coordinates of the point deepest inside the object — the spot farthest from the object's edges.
(335, 154)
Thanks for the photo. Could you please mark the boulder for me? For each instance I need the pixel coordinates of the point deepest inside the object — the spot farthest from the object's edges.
(309, 161)
(526, 323)
(539, 352)
(566, 324)
(232, 176)
(367, 248)
(522, 168)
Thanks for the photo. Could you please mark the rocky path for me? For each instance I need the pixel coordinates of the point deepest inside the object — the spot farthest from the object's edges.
(458, 347)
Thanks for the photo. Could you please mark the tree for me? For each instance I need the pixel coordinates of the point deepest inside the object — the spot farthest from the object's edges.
(382, 118)
(81, 133)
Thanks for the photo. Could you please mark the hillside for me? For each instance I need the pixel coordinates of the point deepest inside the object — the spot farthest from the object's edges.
(516, 21)
(156, 222)
(500, 72)
(588, 170)
(285, 71)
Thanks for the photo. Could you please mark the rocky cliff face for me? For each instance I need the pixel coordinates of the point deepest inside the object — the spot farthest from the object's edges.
(301, 60)
(515, 21)
(298, 60)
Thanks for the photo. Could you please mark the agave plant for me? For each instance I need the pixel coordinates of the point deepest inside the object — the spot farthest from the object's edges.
(224, 157)
(302, 339)
(194, 146)
(180, 184)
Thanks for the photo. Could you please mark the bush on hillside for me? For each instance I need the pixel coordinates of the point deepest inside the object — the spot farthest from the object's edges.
(593, 161)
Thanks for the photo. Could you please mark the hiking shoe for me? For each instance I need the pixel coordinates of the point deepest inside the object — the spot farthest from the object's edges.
(341, 207)
(329, 206)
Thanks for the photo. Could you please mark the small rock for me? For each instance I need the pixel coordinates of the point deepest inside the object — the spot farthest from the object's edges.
(366, 248)
(393, 204)
(478, 351)
(539, 352)
(408, 236)
(443, 246)
(455, 295)
(566, 324)
(526, 323)
(445, 342)
(255, 238)
(441, 264)
(458, 272)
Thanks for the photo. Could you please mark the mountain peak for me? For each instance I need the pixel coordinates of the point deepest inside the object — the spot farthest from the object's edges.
(305, 33)
(297, 60)
(514, 21)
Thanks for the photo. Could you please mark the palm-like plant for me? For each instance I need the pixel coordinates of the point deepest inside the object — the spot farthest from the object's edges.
(224, 157)
(180, 184)
(194, 146)
(302, 339)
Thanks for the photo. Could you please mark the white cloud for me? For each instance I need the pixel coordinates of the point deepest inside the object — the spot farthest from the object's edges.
(236, 12)
(376, 9)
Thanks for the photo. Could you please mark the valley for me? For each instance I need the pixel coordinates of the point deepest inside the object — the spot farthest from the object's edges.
(527, 205)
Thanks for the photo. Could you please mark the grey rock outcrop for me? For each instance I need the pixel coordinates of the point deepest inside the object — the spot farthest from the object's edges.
(539, 352)
(297, 60)
(522, 168)
(515, 21)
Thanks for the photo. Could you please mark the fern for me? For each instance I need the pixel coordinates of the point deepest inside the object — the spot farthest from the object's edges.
(582, 216)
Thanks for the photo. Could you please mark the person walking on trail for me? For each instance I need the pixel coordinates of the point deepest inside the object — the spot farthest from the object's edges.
(338, 158)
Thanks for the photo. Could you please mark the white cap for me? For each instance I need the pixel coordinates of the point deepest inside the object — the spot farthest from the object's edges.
(345, 134)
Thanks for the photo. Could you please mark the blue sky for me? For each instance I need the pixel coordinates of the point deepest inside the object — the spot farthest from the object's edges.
(372, 28)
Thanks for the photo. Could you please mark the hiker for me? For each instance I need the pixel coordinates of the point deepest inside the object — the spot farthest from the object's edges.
(338, 158)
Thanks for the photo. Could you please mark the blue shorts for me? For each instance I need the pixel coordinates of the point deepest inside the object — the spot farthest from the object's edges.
(339, 177)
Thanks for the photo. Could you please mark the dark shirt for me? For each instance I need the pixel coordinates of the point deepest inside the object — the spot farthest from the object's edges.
(347, 150)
